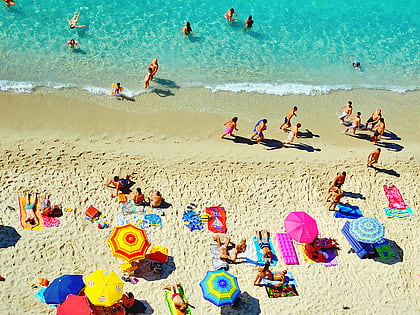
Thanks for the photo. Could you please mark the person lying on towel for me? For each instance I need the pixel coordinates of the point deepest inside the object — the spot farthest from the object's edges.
(314, 250)
(265, 246)
(31, 220)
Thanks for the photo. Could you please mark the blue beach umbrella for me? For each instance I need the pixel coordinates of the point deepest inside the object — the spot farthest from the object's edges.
(367, 230)
(220, 287)
(58, 289)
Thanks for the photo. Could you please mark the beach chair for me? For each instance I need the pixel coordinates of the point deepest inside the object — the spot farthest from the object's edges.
(363, 250)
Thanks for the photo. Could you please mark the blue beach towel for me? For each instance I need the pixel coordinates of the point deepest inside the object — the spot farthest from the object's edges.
(153, 220)
(259, 254)
(192, 220)
(348, 212)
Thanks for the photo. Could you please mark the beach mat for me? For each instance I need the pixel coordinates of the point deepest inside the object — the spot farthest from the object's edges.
(215, 258)
(259, 254)
(22, 203)
(217, 222)
(287, 250)
(393, 213)
(170, 303)
(192, 220)
(275, 290)
(394, 196)
(348, 212)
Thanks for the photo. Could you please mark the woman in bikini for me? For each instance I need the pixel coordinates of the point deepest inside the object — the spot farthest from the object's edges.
(74, 20)
(176, 297)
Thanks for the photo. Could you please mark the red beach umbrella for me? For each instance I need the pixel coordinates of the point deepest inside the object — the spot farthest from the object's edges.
(301, 226)
(75, 305)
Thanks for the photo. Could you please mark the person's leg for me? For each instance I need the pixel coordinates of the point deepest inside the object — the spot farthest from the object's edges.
(267, 235)
(28, 198)
(257, 279)
(227, 241)
(217, 239)
(258, 233)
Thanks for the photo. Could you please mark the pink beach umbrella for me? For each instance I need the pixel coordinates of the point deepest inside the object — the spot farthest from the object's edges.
(301, 227)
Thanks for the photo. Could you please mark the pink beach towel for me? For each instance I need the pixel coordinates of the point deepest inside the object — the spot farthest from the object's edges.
(50, 221)
(287, 249)
(395, 199)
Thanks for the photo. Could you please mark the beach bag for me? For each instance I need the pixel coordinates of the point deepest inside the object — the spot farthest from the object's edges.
(56, 211)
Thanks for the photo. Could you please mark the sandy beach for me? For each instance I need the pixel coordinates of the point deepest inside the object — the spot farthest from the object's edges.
(69, 144)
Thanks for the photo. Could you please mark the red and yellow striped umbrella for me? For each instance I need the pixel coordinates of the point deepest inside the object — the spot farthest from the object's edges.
(129, 242)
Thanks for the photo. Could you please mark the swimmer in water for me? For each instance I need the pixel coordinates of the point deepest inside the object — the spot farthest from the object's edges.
(187, 30)
(356, 64)
(248, 22)
(74, 20)
(229, 15)
(8, 3)
(72, 43)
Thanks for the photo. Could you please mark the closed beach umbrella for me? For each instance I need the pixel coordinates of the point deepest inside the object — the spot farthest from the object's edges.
(58, 289)
(301, 227)
(220, 287)
(75, 305)
(129, 242)
(103, 288)
(367, 230)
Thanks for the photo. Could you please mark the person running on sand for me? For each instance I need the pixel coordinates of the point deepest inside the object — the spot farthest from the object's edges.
(155, 199)
(347, 110)
(265, 246)
(230, 127)
(155, 67)
(187, 30)
(224, 255)
(260, 126)
(287, 120)
(229, 15)
(374, 119)
(373, 157)
(356, 121)
(179, 303)
(292, 134)
(118, 183)
(379, 132)
(336, 194)
(263, 272)
(248, 22)
(31, 220)
(74, 20)
(339, 180)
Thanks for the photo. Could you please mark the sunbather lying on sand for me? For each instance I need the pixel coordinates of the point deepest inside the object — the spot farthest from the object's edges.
(179, 302)
(240, 248)
(265, 246)
(224, 255)
(263, 272)
(31, 220)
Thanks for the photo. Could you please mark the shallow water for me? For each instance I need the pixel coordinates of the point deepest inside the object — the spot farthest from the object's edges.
(298, 47)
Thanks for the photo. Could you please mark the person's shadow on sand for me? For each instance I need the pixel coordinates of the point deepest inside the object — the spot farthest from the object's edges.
(241, 140)
(167, 83)
(307, 134)
(163, 92)
(389, 134)
(353, 195)
(386, 171)
(302, 146)
(390, 146)
(244, 304)
(272, 144)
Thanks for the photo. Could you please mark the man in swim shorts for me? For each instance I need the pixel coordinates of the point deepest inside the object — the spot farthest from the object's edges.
(292, 134)
(339, 180)
(265, 245)
(287, 120)
(356, 120)
(260, 126)
(347, 110)
(373, 157)
(374, 119)
(379, 132)
(31, 220)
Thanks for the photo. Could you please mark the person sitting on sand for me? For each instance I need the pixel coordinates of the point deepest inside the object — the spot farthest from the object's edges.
(265, 246)
(74, 20)
(224, 255)
(179, 303)
(248, 22)
(294, 133)
(155, 199)
(131, 305)
(138, 197)
(379, 130)
(263, 272)
(335, 194)
(229, 15)
(230, 127)
(280, 276)
(118, 183)
(356, 121)
(287, 120)
(260, 126)
(187, 30)
(30, 220)
(347, 110)
(45, 207)
(373, 119)
(373, 157)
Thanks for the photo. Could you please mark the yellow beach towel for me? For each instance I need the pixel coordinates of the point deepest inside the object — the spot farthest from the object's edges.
(22, 203)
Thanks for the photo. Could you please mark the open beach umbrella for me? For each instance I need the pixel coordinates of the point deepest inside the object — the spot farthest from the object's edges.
(220, 287)
(59, 288)
(301, 227)
(129, 242)
(103, 288)
(75, 305)
(367, 230)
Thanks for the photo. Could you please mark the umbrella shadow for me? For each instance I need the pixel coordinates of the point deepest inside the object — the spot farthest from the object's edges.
(390, 146)
(149, 310)
(244, 304)
(384, 170)
(398, 254)
(144, 271)
(8, 236)
(354, 195)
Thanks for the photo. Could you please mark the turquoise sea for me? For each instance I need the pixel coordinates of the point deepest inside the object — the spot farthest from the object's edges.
(294, 47)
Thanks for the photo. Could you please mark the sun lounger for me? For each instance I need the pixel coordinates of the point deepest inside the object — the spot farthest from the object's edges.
(259, 254)
(363, 250)
(215, 257)
(287, 249)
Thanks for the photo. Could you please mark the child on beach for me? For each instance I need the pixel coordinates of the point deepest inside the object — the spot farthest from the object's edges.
(356, 120)
(292, 134)
(230, 127)
(287, 120)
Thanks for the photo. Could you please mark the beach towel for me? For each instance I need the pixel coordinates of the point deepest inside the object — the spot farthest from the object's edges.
(392, 213)
(274, 289)
(215, 258)
(217, 223)
(348, 212)
(331, 260)
(170, 302)
(50, 221)
(192, 220)
(259, 253)
(249, 256)
(22, 203)
(287, 249)
(383, 250)
(153, 219)
(395, 199)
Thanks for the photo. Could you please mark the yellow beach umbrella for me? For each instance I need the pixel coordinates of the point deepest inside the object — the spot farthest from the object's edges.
(129, 242)
(103, 288)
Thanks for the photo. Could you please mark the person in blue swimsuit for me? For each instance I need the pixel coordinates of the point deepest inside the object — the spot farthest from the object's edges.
(260, 126)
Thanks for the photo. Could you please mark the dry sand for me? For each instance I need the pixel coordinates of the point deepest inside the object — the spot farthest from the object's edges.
(70, 146)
